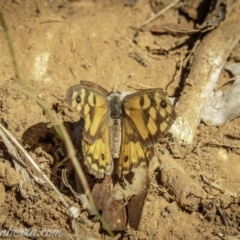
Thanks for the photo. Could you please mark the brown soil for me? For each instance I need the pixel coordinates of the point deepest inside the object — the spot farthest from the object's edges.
(193, 190)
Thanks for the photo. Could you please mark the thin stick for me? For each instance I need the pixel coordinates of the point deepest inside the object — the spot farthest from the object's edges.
(160, 13)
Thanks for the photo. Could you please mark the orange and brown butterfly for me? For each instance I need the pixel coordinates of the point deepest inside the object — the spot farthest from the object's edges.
(120, 127)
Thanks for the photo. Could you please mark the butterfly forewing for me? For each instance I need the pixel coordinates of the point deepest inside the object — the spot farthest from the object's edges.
(92, 104)
(151, 114)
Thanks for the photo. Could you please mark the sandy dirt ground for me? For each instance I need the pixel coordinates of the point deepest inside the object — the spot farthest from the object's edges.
(194, 189)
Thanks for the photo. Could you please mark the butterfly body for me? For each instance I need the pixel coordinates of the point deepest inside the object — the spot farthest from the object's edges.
(121, 127)
(115, 123)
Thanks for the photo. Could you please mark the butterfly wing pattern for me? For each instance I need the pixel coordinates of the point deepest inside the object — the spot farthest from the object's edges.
(147, 116)
(92, 104)
(144, 118)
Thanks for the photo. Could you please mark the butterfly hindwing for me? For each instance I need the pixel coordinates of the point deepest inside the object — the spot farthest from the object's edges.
(97, 156)
(132, 153)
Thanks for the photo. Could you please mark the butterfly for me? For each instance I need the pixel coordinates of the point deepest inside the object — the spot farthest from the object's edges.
(118, 126)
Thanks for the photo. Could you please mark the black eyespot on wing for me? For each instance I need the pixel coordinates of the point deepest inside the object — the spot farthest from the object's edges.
(163, 104)
(102, 156)
(78, 99)
(125, 158)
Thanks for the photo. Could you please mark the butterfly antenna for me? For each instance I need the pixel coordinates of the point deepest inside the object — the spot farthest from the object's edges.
(129, 75)
(96, 75)
(141, 85)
